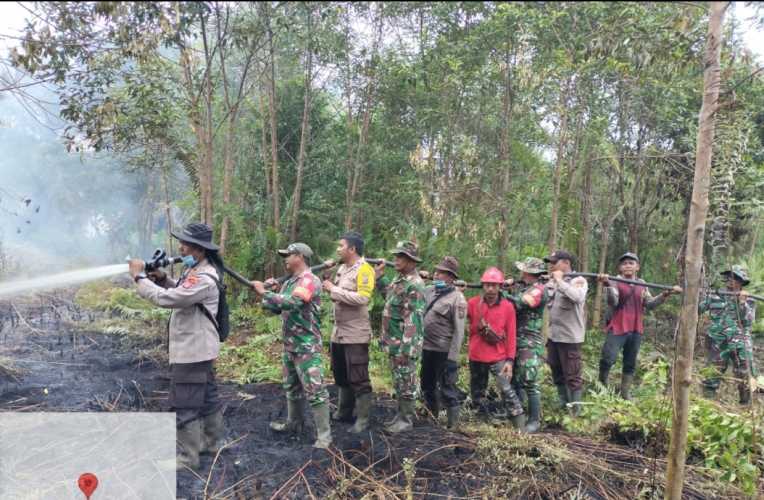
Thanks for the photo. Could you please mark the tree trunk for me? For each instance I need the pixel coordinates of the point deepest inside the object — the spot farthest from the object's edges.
(304, 133)
(266, 163)
(586, 214)
(274, 130)
(350, 139)
(206, 132)
(228, 165)
(694, 258)
(167, 207)
(368, 108)
(552, 242)
(507, 105)
(610, 217)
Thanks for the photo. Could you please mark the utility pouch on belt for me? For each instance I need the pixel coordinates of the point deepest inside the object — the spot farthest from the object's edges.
(489, 335)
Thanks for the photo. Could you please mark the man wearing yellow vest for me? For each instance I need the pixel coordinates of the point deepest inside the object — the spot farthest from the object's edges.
(351, 292)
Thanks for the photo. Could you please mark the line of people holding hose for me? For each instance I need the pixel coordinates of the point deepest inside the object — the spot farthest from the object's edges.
(422, 332)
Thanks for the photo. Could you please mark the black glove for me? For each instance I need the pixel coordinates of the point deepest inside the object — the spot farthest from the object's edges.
(451, 366)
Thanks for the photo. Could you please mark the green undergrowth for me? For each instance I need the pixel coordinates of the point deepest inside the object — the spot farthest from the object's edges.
(121, 311)
(726, 439)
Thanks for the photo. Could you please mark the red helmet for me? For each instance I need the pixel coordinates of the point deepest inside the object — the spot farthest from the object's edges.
(492, 275)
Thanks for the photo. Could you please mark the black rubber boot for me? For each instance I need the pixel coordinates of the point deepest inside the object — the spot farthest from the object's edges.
(604, 374)
(745, 394)
(345, 404)
(563, 393)
(453, 417)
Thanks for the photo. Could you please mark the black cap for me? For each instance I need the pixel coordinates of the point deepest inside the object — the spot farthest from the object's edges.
(560, 255)
(628, 255)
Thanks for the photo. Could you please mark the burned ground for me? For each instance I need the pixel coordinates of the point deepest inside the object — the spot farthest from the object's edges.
(59, 368)
(56, 359)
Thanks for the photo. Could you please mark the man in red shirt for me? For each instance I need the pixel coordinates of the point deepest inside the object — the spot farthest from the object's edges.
(627, 304)
(492, 345)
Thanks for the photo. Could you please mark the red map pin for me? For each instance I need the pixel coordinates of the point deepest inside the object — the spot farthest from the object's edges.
(88, 483)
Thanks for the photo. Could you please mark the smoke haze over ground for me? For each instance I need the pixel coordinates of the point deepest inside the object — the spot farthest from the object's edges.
(61, 210)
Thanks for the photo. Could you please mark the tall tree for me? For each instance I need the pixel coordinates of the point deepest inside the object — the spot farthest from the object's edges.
(696, 224)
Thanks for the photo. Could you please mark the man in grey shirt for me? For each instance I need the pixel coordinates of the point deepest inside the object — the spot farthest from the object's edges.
(567, 328)
(444, 317)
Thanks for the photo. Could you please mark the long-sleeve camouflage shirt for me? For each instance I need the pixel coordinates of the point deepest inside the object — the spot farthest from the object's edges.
(731, 321)
(529, 302)
(299, 303)
(402, 318)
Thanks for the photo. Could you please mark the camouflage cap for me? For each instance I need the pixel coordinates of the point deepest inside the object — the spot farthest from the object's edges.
(531, 265)
(407, 248)
(297, 249)
(739, 272)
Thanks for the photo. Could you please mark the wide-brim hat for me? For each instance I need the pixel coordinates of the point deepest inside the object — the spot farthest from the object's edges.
(298, 249)
(531, 265)
(449, 265)
(407, 248)
(739, 273)
(197, 234)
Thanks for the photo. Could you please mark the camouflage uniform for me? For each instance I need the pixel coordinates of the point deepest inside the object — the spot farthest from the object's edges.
(403, 330)
(729, 339)
(530, 340)
(299, 302)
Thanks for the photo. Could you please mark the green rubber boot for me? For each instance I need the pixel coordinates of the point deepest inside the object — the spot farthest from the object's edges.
(518, 422)
(323, 427)
(189, 439)
(294, 421)
(212, 433)
(576, 397)
(405, 417)
(534, 413)
(626, 382)
(362, 409)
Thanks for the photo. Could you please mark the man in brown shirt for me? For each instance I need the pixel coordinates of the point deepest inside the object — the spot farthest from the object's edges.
(351, 292)
(444, 318)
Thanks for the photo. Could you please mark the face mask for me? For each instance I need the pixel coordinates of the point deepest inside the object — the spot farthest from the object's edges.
(189, 260)
(440, 284)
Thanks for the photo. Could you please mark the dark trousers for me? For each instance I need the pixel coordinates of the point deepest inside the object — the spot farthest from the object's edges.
(438, 380)
(479, 372)
(629, 343)
(193, 391)
(565, 361)
(350, 365)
